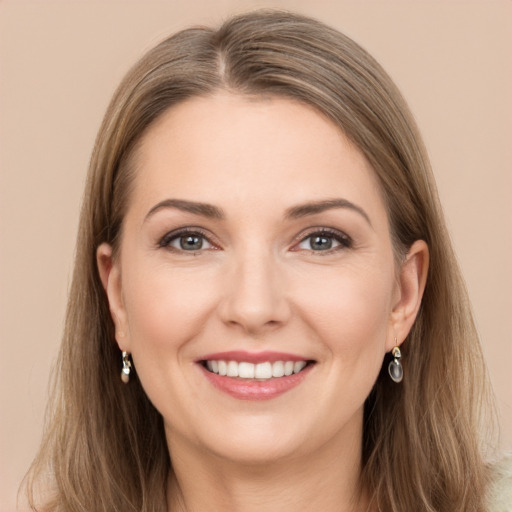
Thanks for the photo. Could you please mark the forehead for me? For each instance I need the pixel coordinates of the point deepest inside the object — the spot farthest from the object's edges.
(246, 150)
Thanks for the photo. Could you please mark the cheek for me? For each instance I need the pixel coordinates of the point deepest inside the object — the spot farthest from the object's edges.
(351, 312)
(166, 311)
(166, 307)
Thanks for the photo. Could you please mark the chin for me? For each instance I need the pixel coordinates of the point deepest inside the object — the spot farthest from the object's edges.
(268, 439)
(258, 450)
(253, 440)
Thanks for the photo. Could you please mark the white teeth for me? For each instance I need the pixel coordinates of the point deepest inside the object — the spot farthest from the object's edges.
(232, 369)
(288, 368)
(278, 369)
(246, 370)
(298, 366)
(261, 371)
(223, 368)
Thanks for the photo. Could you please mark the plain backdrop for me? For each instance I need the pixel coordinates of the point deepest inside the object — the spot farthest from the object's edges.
(59, 64)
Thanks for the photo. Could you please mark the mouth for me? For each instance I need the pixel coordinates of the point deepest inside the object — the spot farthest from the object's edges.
(259, 371)
(255, 376)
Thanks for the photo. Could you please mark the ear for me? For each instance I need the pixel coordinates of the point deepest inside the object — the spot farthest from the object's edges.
(110, 275)
(411, 285)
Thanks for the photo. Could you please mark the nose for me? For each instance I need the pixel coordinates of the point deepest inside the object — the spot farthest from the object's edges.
(255, 295)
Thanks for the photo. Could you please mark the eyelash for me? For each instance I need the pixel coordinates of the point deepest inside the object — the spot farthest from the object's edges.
(345, 242)
(168, 238)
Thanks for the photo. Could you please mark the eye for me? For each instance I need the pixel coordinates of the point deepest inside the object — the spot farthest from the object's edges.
(189, 241)
(324, 241)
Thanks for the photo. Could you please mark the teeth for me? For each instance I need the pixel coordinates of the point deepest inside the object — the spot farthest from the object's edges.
(298, 366)
(223, 368)
(278, 369)
(246, 370)
(261, 371)
(232, 369)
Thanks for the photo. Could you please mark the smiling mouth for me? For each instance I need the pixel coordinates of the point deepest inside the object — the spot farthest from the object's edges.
(255, 371)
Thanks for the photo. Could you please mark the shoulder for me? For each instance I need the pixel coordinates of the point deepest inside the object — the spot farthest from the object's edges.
(500, 490)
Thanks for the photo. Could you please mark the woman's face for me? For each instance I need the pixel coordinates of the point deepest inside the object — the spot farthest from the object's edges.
(256, 242)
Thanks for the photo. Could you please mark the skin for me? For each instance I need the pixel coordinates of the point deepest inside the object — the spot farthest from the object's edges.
(258, 284)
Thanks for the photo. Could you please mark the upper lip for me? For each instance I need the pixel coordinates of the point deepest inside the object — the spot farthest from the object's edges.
(252, 357)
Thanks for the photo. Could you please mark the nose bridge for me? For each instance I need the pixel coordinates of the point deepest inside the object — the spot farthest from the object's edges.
(255, 294)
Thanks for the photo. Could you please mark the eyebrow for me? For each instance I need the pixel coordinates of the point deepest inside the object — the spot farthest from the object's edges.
(303, 210)
(295, 212)
(203, 209)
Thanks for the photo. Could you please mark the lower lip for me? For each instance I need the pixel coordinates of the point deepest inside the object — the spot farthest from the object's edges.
(246, 389)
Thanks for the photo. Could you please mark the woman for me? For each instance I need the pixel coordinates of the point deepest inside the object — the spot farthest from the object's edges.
(263, 257)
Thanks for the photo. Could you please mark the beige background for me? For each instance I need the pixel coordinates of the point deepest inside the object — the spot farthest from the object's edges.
(60, 62)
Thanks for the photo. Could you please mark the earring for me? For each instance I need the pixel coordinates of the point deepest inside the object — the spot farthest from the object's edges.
(396, 372)
(127, 366)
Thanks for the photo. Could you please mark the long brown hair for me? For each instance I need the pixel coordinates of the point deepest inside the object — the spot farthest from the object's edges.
(104, 447)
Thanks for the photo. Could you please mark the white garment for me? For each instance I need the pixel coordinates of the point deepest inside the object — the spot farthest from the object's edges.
(500, 492)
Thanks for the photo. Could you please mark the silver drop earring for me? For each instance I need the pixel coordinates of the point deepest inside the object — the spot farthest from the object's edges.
(127, 366)
(396, 372)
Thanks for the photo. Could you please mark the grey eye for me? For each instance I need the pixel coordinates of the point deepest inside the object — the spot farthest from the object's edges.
(191, 242)
(319, 242)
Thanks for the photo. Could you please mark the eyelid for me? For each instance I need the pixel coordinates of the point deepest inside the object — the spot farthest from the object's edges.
(344, 239)
(164, 241)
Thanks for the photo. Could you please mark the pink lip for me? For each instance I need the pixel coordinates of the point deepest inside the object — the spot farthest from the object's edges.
(248, 389)
(252, 357)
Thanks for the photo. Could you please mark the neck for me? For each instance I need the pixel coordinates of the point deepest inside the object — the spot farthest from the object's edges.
(326, 480)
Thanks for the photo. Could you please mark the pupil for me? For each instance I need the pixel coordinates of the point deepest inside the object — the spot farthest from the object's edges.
(321, 243)
(191, 242)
